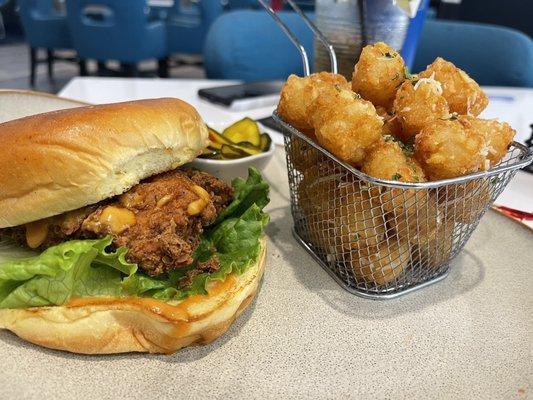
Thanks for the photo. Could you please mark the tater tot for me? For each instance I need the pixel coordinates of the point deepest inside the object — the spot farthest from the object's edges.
(382, 264)
(498, 135)
(378, 74)
(418, 222)
(463, 94)
(436, 251)
(302, 155)
(298, 93)
(418, 103)
(388, 160)
(445, 149)
(340, 216)
(391, 123)
(466, 201)
(345, 124)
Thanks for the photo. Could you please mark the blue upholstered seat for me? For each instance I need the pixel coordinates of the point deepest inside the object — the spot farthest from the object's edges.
(44, 26)
(187, 25)
(248, 45)
(492, 55)
(115, 30)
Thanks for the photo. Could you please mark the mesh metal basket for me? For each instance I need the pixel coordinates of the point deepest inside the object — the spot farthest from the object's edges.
(378, 238)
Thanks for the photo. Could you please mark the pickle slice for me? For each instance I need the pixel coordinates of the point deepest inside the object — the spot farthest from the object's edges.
(247, 148)
(266, 142)
(216, 139)
(230, 152)
(245, 130)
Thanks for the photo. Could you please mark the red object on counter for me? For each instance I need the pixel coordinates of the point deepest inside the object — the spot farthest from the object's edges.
(276, 5)
(516, 214)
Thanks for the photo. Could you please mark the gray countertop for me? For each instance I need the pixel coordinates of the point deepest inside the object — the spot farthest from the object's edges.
(468, 336)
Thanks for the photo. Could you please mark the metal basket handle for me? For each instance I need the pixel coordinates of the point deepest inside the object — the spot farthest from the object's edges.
(319, 35)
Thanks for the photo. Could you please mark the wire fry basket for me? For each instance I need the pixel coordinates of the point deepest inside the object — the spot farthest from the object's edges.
(380, 239)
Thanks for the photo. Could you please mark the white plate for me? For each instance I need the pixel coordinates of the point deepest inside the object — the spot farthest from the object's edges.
(21, 103)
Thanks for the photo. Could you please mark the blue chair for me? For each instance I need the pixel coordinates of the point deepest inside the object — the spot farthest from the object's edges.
(117, 30)
(2, 27)
(44, 26)
(249, 45)
(239, 4)
(491, 54)
(187, 25)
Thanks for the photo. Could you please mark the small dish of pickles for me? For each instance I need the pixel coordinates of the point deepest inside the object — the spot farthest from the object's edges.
(235, 148)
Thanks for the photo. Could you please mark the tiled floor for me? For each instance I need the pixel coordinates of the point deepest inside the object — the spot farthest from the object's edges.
(15, 70)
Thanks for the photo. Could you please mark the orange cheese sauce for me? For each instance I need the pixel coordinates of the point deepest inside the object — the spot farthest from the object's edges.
(178, 312)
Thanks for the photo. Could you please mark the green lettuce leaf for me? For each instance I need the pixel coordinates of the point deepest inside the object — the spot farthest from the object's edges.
(73, 268)
(81, 268)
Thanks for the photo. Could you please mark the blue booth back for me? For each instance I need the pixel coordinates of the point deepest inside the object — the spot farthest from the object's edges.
(43, 24)
(115, 30)
(248, 45)
(492, 55)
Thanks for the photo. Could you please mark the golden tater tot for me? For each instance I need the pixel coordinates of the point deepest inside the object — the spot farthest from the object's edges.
(340, 216)
(463, 94)
(302, 154)
(298, 93)
(418, 221)
(391, 123)
(445, 149)
(418, 103)
(498, 135)
(388, 160)
(378, 74)
(466, 201)
(345, 124)
(381, 265)
(436, 251)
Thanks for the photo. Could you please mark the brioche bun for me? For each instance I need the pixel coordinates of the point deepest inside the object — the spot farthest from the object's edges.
(106, 325)
(59, 161)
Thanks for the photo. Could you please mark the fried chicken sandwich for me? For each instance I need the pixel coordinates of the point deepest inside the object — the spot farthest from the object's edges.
(108, 245)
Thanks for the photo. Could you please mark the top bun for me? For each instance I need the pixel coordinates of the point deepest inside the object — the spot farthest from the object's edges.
(59, 161)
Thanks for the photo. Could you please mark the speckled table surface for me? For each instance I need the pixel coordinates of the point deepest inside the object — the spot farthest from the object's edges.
(468, 336)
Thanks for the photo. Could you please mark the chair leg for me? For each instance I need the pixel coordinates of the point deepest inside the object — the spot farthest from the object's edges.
(82, 64)
(162, 67)
(50, 62)
(102, 69)
(33, 65)
(130, 69)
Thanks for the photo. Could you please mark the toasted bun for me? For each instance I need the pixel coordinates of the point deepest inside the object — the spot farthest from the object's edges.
(104, 325)
(59, 161)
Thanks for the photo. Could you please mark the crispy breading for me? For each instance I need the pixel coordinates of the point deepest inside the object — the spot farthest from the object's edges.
(345, 124)
(378, 74)
(463, 94)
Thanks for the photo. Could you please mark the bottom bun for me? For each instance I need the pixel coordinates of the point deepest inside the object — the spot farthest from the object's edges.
(106, 325)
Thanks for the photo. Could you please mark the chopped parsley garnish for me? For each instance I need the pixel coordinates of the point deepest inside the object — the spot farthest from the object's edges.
(388, 138)
(408, 148)
(406, 73)
(396, 177)
(390, 55)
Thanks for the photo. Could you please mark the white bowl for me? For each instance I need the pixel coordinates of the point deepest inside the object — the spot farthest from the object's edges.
(228, 170)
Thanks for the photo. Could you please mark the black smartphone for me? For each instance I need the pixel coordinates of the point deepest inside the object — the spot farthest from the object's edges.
(270, 123)
(227, 95)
